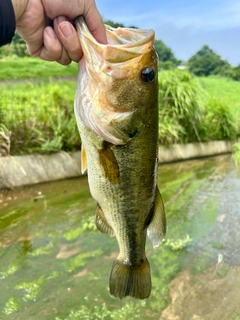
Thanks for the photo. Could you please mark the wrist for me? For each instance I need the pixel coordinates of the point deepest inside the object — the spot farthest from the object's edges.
(19, 7)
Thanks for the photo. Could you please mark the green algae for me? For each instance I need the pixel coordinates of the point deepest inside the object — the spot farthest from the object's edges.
(11, 306)
(80, 260)
(30, 290)
(10, 271)
(87, 226)
(43, 250)
(54, 256)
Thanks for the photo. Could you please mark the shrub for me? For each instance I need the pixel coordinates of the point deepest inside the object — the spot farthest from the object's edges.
(181, 108)
(236, 154)
(40, 118)
(219, 122)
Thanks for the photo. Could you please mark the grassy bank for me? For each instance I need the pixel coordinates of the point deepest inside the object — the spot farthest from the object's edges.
(39, 116)
(192, 109)
(29, 67)
(225, 90)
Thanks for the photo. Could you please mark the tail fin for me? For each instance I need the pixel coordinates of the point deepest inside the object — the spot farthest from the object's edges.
(128, 280)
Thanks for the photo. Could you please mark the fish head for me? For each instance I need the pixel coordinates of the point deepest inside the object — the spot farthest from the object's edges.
(119, 77)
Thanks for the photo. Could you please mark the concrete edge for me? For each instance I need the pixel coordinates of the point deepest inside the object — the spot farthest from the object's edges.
(178, 152)
(16, 171)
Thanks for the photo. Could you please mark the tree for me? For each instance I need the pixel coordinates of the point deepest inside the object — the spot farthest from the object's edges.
(166, 57)
(236, 73)
(117, 24)
(206, 62)
(114, 24)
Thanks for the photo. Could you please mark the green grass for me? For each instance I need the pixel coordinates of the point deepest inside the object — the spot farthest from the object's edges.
(38, 117)
(190, 110)
(226, 90)
(24, 68)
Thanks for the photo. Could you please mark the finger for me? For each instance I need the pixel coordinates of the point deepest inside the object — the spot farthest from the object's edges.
(95, 23)
(86, 8)
(52, 49)
(69, 38)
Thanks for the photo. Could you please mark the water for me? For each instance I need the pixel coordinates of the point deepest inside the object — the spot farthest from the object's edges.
(56, 265)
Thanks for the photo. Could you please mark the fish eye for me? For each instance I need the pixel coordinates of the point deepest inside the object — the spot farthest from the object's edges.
(148, 75)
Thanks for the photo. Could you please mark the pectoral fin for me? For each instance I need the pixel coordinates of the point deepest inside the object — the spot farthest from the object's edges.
(102, 223)
(83, 159)
(108, 164)
(157, 227)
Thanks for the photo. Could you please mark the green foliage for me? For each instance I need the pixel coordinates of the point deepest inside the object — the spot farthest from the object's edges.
(14, 67)
(235, 73)
(17, 48)
(227, 93)
(117, 24)
(225, 89)
(180, 107)
(114, 24)
(167, 59)
(188, 113)
(5, 139)
(40, 117)
(219, 122)
(206, 62)
(236, 154)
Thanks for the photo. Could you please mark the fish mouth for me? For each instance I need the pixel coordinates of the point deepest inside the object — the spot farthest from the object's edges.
(123, 43)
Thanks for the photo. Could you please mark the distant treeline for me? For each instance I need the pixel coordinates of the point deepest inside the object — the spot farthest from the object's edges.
(204, 63)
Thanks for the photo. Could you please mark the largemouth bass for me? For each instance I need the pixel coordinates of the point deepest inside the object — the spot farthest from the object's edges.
(116, 108)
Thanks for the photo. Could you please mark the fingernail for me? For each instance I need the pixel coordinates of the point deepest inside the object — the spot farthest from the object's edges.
(50, 32)
(66, 29)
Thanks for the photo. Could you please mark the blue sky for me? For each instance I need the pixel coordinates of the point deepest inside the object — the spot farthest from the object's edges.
(183, 25)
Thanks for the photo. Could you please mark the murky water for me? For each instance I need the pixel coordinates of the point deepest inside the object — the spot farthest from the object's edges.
(55, 265)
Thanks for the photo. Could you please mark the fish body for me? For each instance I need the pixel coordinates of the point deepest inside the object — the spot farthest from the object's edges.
(116, 108)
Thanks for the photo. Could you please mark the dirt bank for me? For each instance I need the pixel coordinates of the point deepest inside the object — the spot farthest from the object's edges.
(205, 296)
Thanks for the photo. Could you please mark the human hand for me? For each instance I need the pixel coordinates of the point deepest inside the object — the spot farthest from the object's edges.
(61, 42)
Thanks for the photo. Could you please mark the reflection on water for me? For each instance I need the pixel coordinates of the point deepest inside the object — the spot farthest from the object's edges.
(55, 265)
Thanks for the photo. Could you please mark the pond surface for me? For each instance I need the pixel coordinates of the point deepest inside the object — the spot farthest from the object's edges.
(55, 265)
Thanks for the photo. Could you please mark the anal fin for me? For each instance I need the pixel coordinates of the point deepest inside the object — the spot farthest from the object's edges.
(102, 224)
(157, 227)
